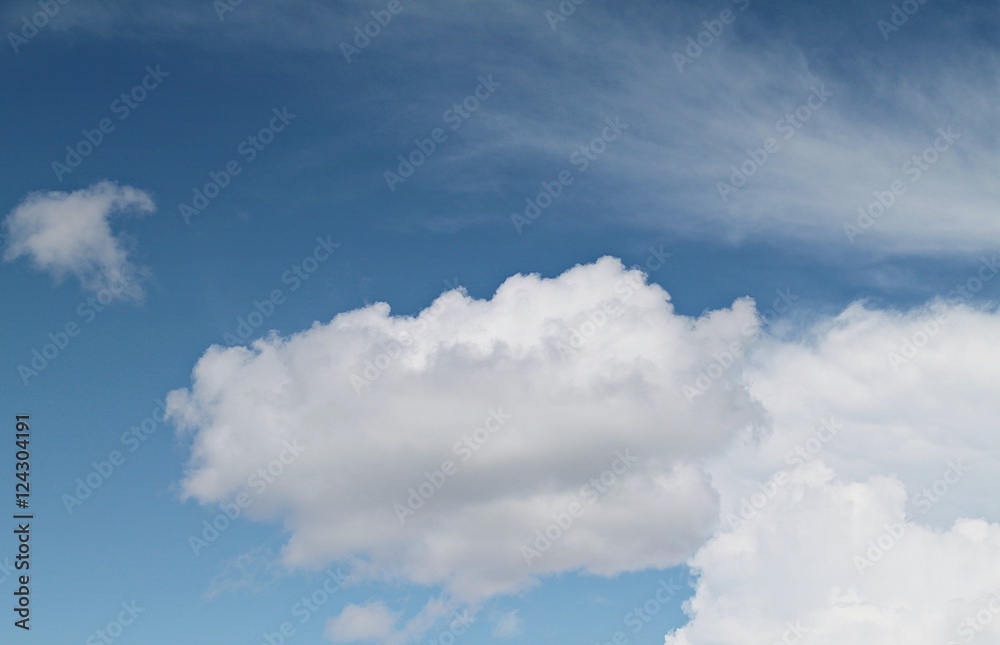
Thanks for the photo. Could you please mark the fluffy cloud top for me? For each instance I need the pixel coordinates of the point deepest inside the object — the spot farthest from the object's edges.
(70, 233)
(531, 396)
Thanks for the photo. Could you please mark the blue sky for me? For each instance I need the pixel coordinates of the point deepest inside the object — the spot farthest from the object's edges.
(569, 169)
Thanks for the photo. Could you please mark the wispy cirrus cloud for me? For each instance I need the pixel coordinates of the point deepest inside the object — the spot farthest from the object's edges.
(693, 130)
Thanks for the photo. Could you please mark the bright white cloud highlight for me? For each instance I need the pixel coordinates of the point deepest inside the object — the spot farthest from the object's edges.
(70, 233)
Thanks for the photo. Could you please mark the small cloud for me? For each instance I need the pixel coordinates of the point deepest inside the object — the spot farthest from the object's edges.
(70, 233)
(368, 622)
(507, 625)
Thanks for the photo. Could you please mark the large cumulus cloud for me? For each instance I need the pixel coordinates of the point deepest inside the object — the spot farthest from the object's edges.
(580, 369)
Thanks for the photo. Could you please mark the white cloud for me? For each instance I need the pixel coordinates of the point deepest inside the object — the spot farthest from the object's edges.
(909, 392)
(577, 391)
(70, 233)
(901, 406)
(830, 561)
(368, 622)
